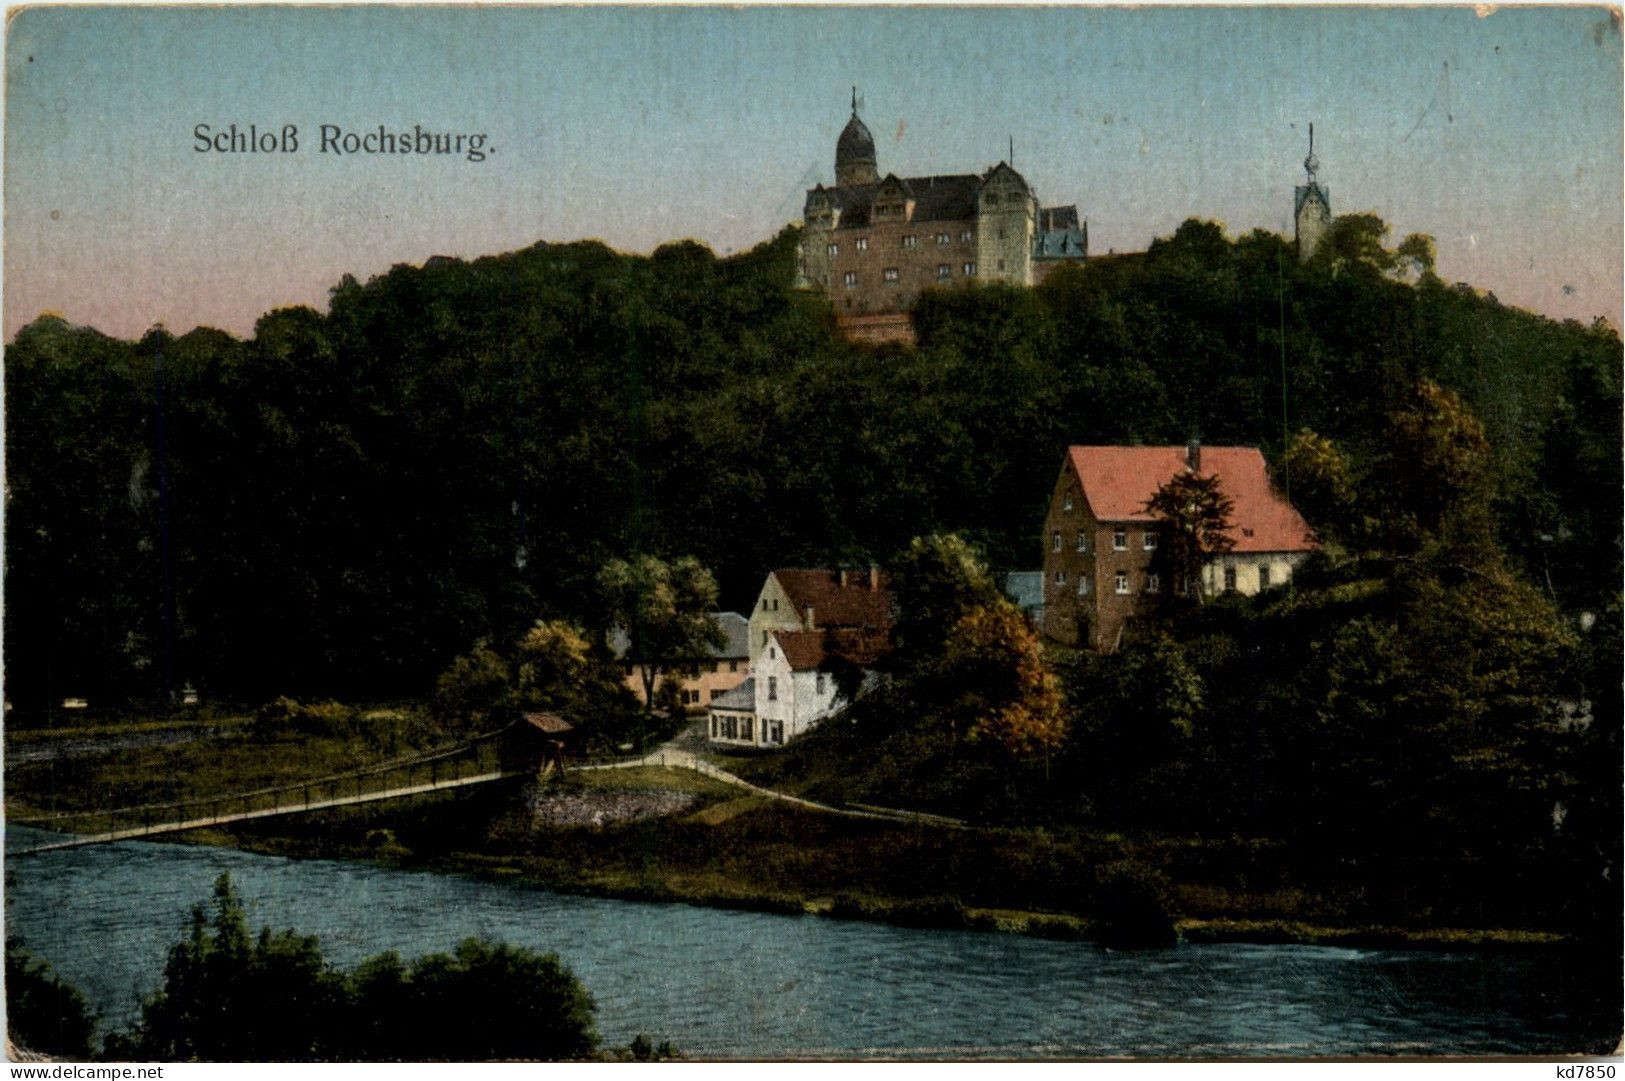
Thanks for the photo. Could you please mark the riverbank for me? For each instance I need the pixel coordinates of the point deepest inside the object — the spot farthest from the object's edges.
(723, 850)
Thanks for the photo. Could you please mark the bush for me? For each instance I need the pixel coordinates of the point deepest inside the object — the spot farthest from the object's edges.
(43, 1012)
(228, 997)
(287, 716)
(1134, 905)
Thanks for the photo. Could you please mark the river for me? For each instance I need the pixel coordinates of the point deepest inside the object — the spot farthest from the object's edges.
(726, 984)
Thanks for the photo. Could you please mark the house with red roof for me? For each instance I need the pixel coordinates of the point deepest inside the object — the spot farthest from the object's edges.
(795, 599)
(1100, 543)
(800, 617)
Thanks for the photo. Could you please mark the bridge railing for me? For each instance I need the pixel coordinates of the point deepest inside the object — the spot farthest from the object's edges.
(475, 757)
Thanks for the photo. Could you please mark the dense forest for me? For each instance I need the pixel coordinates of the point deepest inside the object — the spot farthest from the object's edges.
(341, 503)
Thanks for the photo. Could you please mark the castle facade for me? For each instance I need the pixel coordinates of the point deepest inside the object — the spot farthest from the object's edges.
(874, 243)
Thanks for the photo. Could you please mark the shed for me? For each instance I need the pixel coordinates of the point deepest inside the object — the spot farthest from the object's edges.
(537, 742)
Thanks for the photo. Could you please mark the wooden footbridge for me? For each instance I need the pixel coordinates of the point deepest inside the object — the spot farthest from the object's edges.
(477, 761)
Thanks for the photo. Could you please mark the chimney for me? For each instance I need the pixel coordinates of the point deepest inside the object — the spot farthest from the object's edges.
(1193, 454)
(874, 578)
(811, 625)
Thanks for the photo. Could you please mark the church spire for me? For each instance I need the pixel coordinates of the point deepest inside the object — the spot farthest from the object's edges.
(1311, 163)
(855, 104)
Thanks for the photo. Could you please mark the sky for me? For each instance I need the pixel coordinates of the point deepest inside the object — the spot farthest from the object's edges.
(1498, 134)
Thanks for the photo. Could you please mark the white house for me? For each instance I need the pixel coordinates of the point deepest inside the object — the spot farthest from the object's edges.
(793, 692)
(731, 716)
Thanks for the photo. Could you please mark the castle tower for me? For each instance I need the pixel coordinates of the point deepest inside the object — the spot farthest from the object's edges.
(1311, 206)
(1006, 221)
(855, 152)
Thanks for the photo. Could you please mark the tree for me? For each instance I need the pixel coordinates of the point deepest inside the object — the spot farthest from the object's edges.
(555, 661)
(478, 688)
(1322, 485)
(934, 582)
(665, 610)
(1437, 472)
(995, 673)
(1197, 514)
(229, 996)
(44, 1013)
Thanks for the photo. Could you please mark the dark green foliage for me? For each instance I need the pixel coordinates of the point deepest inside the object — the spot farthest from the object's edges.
(228, 997)
(1134, 905)
(340, 504)
(44, 1013)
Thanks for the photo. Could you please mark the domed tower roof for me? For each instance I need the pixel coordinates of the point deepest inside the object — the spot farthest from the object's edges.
(855, 152)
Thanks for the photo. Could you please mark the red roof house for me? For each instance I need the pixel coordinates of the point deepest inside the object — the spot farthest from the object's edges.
(1100, 543)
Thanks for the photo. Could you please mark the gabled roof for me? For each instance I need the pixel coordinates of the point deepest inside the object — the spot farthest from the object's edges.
(804, 650)
(741, 697)
(834, 604)
(735, 628)
(936, 198)
(1118, 481)
(550, 723)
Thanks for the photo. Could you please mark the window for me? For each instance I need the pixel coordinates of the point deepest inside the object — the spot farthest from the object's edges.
(834, 250)
(712, 696)
(1120, 541)
(1066, 501)
(1122, 582)
(1150, 541)
(1060, 578)
(1263, 576)
(1083, 585)
(1083, 541)
(911, 241)
(966, 235)
(970, 270)
(1229, 579)
(1001, 264)
(764, 604)
(890, 274)
(775, 604)
(944, 272)
(1054, 546)
(629, 669)
(733, 666)
(764, 633)
(715, 723)
(1153, 582)
(944, 238)
(745, 726)
(823, 682)
(850, 278)
(862, 243)
(772, 688)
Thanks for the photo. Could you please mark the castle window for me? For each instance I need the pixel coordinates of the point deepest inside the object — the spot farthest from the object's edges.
(911, 241)
(944, 271)
(970, 270)
(863, 243)
(890, 274)
(850, 278)
(944, 238)
(834, 250)
(966, 235)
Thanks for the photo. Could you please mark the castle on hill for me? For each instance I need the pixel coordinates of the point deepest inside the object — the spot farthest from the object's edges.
(874, 243)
